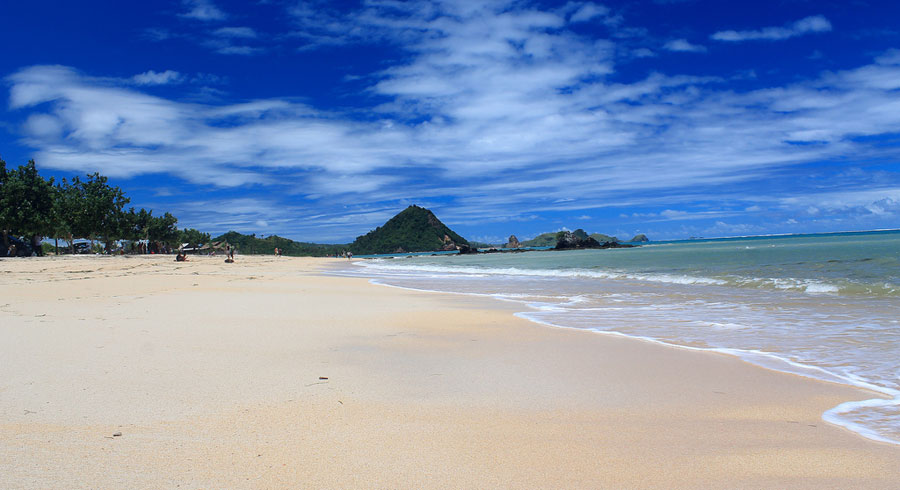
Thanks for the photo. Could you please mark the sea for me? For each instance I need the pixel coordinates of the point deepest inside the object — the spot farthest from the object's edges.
(825, 306)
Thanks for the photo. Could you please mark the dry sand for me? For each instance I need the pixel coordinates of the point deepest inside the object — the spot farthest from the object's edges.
(211, 373)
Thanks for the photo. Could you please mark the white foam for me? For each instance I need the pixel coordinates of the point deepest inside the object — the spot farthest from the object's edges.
(818, 287)
(838, 416)
(550, 273)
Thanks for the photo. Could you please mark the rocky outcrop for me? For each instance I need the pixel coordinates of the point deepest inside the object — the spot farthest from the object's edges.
(513, 242)
(578, 239)
(567, 240)
(466, 249)
(641, 238)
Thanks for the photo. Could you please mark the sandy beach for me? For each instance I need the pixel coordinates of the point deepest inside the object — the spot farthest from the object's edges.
(140, 372)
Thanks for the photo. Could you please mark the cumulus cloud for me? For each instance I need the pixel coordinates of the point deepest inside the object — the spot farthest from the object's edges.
(157, 78)
(491, 106)
(588, 11)
(682, 45)
(238, 32)
(238, 50)
(807, 25)
(879, 202)
(203, 10)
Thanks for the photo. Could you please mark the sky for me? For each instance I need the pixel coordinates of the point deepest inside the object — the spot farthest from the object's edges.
(319, 120)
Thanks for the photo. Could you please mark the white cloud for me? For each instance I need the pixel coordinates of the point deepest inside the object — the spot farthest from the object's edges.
(492, 106)
(157, 78)
(807, 25)
(643, 53)
(890, 57)
(682, 45)
(203, 10)
(883, 202)
(238, 32)
(673, 214)
(588, 11)
(239, 50)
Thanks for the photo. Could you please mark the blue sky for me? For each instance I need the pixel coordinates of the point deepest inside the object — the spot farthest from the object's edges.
(320, 120)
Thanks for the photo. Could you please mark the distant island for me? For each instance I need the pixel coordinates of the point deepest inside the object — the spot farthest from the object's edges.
(417, 229)
(552, 239)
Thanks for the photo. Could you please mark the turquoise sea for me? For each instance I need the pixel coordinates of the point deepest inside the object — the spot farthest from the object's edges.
(824, 306)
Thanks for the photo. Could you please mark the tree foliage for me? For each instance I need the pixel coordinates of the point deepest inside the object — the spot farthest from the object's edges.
(248, 244)
(163, 229)
(26, 203)
(91, 208)
(101, 209)
(193, 237)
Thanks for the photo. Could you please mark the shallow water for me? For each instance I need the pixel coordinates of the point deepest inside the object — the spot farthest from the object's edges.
(825, 306)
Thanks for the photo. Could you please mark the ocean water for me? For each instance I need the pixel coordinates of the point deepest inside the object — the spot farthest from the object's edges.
(823, 306)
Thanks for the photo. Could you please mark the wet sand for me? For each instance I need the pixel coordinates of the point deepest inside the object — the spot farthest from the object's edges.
(267, 374)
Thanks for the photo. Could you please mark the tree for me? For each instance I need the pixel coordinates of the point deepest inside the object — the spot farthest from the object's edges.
(135, 224)
(163, 229)
(70, 218)
(3, 224)
(102, 205)
(193, 237)
(139, 223)
(26, 204)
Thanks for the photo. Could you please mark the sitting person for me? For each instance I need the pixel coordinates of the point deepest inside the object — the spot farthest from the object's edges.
(181, 257)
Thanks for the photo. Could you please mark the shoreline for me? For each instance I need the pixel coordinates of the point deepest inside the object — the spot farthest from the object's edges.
(829, 416)
(843, 414)
(212, 371)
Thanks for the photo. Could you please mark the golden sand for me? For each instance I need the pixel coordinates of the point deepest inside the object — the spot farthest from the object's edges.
(214, 376)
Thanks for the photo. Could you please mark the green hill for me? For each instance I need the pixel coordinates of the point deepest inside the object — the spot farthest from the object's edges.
(542, 240)
(601, 238)
(250, 244)
(414, 229)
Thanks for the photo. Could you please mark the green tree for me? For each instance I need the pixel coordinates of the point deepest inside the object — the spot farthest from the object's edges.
(163, 229)
(3, 225)
(140, 223)
(68, 212)
(102, 205)
(26, 204)
(193, 237)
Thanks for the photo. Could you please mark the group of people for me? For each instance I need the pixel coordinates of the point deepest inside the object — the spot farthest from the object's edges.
(229, 255)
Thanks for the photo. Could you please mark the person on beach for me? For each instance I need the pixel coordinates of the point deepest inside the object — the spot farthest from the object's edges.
(181, 257)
